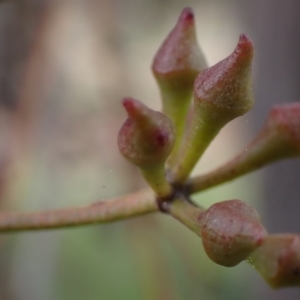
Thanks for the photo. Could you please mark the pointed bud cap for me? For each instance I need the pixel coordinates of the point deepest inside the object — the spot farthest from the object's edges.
(175, 67)
(147, 136)
(230, 232)
(284, 122)
(278, 260)
(224, 91)
(221, 93)
(179, 58)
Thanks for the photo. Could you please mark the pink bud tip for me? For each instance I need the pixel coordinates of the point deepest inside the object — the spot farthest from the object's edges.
(186, 16)
(244, 47)
(227, 85)
(180, 51)
(128, 103)
(134, 108)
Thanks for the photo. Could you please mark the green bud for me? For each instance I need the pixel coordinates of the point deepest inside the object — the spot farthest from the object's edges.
(278, 139)
(221, 93)
(278, 260)
(146, 140)
(230, 232)
(224, 91)
(179, 58)
(175, 67)
(282, 129)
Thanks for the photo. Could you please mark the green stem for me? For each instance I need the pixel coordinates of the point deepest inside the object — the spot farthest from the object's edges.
(265, 149)
(201, 132)
(186, 213)
(176, 103)
(156, 178)
(138, 203)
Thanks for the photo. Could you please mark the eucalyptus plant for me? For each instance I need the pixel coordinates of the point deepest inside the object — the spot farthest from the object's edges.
(198, 101)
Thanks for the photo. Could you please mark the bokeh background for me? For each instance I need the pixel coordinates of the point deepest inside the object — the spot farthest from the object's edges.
(64, 68)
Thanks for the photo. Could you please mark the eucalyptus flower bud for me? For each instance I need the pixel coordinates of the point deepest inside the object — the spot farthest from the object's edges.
(282, 129)
(175, 67)
(278, 260)
(230, 232)
(224, 91)
(278, 139)
(221, 93)
(146, 140)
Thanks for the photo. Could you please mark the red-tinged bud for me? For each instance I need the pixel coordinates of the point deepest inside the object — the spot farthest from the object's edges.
(221, 93)
(146, 140)
(278, 260)
(224, 91)
(147, 136)
(278, 139)
(179, 59)
(175, 67)
(283, 123)
(230, 232)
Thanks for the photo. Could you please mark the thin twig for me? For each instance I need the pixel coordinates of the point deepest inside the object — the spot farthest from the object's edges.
(138, 203)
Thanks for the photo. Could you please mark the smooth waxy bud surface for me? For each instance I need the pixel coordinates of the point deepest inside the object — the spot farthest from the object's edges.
(278, 260)
(230, 232)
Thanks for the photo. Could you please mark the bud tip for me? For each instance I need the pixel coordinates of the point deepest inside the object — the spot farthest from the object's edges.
(244, 46)
(133, 107)
(187, 15)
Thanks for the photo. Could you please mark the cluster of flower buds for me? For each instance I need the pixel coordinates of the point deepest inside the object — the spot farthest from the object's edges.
(167, 146)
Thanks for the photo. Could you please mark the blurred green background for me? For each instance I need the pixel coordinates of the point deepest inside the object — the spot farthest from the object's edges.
(64, 68)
